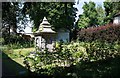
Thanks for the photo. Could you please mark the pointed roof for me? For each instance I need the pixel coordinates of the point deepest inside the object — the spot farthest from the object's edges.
(45, 22)
(45, 27)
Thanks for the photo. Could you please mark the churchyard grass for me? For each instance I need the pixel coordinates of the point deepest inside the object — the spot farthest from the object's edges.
(14, 54)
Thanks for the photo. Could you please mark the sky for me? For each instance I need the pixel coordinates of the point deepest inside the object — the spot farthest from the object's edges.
(77, 5)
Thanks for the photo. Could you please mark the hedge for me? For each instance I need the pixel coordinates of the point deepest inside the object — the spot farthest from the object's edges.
(109, 33)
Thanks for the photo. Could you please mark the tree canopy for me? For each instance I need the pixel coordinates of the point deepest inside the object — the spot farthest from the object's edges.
(9, 13)
(15, 15)
(59, 14)
(92, 15)
(111, 8)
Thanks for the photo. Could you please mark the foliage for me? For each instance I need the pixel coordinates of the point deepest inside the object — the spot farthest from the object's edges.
(83, 22)
(101, 15)
(111, 8)
(98, 69)
(9, 11)
(57, 13)
(91, 16)
(70, 54)
(64, 55)
(11, 18)
(16, 42)
(109, 33)
(2, 40)
(6, 49)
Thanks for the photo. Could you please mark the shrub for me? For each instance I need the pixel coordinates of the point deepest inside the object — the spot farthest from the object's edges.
(16, 42)
(66, 54)
(70, 54)
(2, 40)
(109, 33)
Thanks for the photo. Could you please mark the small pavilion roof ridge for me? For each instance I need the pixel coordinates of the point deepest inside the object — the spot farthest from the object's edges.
(45, 27)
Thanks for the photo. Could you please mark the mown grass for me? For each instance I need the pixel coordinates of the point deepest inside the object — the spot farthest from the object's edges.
(18, 52)
(23, 51)
(14, 54)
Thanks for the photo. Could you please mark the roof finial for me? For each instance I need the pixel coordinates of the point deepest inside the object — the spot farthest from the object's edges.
(45, 21)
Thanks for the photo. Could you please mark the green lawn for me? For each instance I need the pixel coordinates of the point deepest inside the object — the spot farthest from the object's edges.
(24, 52)
(14, 54)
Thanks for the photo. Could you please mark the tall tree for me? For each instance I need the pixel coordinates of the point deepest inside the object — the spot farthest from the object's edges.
(11, 17)
(9, 11)
(88, 17)
(92, 15)
(59, 14)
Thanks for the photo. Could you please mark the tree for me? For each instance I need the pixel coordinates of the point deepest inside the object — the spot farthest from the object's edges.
(11, 17)
(9, 10)
(92, 16)
(83, 22)
(9, 21)
(111, 8)
(100, 15)
(88, 17)
(59, 14)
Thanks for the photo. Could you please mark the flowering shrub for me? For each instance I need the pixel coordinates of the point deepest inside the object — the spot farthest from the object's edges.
(109, 33)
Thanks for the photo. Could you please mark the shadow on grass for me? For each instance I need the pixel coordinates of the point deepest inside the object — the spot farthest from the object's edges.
(11, 69)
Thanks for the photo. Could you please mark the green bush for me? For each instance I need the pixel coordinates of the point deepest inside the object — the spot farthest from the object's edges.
(101, 50)
(2, 40)
(16, 42)
(69, 54)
